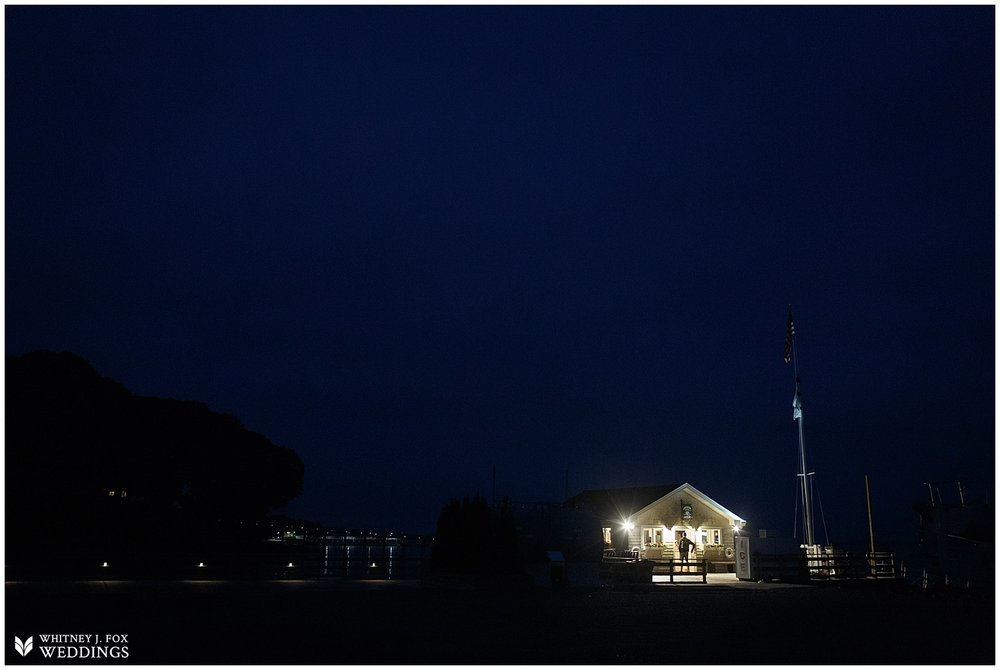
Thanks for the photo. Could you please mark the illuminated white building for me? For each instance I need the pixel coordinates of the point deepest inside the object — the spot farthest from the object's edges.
(650, 521)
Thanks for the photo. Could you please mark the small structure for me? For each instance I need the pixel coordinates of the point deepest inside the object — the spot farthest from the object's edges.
(648, 523)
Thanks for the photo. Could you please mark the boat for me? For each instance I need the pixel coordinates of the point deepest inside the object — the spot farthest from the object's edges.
(955, 542)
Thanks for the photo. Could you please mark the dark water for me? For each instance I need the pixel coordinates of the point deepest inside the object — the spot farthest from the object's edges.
(374, 557)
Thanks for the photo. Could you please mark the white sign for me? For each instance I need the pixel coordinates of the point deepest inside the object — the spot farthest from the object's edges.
(743, 557)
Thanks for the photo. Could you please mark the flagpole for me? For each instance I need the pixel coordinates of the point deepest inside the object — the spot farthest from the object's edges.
(807, 516)
(806, 488)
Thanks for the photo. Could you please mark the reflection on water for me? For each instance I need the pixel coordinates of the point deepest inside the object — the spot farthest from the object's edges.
(372, 556)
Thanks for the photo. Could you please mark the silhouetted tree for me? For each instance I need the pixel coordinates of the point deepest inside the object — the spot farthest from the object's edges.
(472, 538)
(92, 466)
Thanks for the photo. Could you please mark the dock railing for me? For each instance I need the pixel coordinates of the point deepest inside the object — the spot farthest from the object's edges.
(630, 570)
(824, 567)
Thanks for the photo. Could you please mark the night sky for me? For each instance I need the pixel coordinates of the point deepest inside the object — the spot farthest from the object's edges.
(417, 243)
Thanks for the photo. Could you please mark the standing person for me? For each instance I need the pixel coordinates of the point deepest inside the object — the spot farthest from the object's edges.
(684, 546)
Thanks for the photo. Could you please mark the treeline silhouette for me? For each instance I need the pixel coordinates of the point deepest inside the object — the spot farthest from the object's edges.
(96, 473)
(474, 539)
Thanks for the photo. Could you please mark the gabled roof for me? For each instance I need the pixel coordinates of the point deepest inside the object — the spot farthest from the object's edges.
(619, 503)
(722, 510)
(615, 504)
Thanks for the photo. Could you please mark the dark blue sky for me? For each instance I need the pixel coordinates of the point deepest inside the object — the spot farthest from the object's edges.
(413, 244)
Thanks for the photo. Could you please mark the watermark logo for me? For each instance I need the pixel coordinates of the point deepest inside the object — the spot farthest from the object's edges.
(61, 646)
(23, 648)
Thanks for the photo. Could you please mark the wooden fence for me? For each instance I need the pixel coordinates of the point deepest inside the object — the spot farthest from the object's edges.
(766, 567)
(617, 570)
(682, 569)
(824, 567)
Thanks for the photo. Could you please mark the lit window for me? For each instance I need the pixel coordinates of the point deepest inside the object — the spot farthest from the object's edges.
(111, 494)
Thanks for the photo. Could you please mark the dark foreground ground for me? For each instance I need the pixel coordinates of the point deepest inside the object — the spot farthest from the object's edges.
(313, 622)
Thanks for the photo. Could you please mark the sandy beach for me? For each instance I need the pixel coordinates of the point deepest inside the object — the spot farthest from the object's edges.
(442, 622)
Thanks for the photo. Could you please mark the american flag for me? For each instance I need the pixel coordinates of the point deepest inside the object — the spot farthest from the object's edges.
(789, 336)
